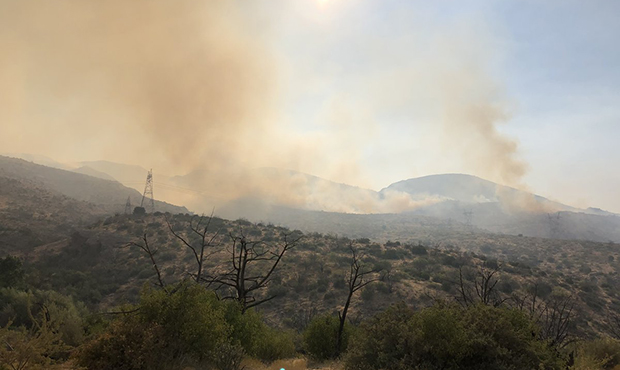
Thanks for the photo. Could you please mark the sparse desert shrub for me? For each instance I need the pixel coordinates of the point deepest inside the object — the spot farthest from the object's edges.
(321, 336)
(418, 250)
(339, 283)
(277, 290)
(394, 254)
(368, 293)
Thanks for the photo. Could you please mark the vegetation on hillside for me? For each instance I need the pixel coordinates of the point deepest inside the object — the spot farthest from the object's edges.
(138, 292)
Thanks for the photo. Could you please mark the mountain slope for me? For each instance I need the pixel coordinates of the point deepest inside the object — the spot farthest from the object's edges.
(110, 196)
(471, 189)
(85, 170)
(439, 205)
(31, 215)
(502, 209)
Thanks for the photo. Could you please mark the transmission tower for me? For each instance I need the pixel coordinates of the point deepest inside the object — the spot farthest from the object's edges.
(128, 206)
(148, 192)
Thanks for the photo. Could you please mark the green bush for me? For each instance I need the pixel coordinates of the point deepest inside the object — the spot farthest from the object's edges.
(274, 345)
(11, 272)
(446, 337)
(600, 354)
(65, 317)
(321, 337)
(188, 327)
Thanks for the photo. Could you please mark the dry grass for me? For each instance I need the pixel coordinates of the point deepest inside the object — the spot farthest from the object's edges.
(291, 364)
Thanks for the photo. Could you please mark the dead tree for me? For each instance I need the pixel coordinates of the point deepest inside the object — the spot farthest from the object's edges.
(146, 248)
(359, 277)
(252, 264)
(483, 289)
(556, 319)
(199, 227)
(553, 315)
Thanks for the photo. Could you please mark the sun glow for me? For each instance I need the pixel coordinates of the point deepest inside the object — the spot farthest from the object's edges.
(322, 3)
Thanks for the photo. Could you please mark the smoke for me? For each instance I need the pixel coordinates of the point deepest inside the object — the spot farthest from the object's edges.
(182, 83)
(197, 87)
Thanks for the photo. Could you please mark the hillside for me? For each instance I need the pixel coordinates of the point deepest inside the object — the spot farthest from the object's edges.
(311, 279)
(110, 196)
(453, 202)
(472, 189)
(31, 215)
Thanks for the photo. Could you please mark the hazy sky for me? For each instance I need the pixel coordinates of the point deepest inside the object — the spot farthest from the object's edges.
(525, 93)
(556, 62)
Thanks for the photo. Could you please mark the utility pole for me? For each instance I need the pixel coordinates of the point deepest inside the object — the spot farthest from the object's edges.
(148, 192)
(128, 206)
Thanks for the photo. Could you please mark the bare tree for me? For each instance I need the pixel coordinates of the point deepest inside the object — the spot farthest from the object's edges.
(483, 288)
(144, 246)
(252, 264)
(553, 315)
(199, 227)
(359, 277)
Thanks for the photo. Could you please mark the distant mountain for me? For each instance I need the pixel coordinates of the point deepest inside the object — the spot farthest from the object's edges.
(126, 174)
(448, 202)
(85, 170)
(470, 189)
(109, 196)
(501, 209)
(39, 159)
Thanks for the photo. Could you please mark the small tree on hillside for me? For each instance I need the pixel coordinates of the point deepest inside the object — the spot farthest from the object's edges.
(252, 264)
(146, 248)
(554, 314)
(359, 277)
(482, 289)
(206, 239)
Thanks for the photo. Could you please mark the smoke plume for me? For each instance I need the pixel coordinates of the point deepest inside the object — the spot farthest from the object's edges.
(196, 87)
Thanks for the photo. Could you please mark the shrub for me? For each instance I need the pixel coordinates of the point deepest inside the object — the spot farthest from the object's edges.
(38, 348)
(598, 354)
(65, 316)
(446, 337)
(189, 327)
(274, 345)
(11, 272)
(368, 293)
(321, 337)
(418, 250)
(166, 330)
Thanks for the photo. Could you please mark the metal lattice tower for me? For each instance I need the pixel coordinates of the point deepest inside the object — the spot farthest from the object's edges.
(128, 206)
(148, 192)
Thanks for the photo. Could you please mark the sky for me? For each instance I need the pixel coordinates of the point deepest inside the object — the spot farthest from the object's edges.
(524, 93)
